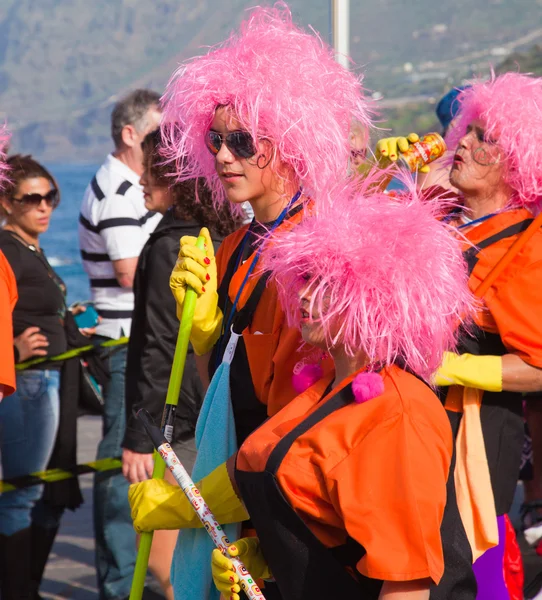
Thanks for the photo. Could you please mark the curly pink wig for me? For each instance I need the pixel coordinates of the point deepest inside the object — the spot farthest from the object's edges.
(510, 106)
(280, 83)
(385, 275)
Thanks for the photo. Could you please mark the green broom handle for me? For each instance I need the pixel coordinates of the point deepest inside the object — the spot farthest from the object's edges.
(173, 390)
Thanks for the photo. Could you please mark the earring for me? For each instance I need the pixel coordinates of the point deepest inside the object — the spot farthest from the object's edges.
(262, 161)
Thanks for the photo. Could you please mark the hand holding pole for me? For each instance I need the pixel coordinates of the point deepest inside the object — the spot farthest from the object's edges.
(213, 528)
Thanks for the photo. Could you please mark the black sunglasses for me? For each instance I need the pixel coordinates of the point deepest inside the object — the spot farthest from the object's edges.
(239, 143)
(52, 198)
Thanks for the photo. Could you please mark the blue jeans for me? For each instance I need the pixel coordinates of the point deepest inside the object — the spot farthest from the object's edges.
(28, 428)
(113, 529)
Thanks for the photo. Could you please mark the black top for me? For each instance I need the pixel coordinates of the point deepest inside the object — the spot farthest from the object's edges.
(153, 338)
(41, 292)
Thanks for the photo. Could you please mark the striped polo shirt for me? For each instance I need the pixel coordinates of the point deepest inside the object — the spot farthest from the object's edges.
(113, 224)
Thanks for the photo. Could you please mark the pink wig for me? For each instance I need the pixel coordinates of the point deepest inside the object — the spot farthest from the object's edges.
(510, 106)
(4, 139)
(385, 275)
(281, 84)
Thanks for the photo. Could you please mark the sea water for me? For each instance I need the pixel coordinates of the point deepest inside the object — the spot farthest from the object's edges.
(61, 243)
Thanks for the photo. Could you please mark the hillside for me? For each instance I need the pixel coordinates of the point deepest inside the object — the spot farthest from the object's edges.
(63, 63)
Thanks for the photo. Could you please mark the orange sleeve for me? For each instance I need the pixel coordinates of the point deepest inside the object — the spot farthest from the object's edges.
(8, 298)
(516, 308)
(390, 492)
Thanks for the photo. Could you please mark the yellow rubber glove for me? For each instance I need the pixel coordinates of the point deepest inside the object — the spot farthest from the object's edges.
(225, 578)
(468, 370)
(388, 149)
(197, 268)
(156, 504)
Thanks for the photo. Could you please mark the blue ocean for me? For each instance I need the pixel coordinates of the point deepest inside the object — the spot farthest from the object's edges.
(60, 243)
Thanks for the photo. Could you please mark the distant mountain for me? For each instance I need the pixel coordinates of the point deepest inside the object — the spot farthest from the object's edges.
(63, 63)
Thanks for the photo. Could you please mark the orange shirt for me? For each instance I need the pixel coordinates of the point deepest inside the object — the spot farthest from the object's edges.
(8, 299)
(512, 307)
(272, 347)
(374, 471)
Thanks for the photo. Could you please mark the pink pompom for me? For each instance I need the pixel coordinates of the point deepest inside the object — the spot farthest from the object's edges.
(305, 377)
(367, 386)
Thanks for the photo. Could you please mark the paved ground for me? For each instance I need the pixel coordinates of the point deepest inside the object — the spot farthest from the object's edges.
(70, 572)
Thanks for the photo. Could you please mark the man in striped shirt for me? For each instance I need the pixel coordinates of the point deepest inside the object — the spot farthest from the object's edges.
(113, 228)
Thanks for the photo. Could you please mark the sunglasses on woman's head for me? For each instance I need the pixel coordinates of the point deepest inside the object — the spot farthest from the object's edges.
(239, 143)
(34, 200)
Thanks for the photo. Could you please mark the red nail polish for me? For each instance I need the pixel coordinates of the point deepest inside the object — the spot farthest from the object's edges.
(232, 580)
(202, 289)
(207, 261)
(207, 277)
(392, 155)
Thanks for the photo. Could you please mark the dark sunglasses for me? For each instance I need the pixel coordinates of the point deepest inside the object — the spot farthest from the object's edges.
(357, 153)
(34, 200)
(239, 143)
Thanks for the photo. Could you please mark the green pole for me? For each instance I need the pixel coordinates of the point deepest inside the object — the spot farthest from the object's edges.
(70, 353)
(173, 390)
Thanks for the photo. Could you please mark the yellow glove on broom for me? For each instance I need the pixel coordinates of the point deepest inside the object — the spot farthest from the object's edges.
(388, 149)
(197, 268)
(225, 578)
(156, 504)
(468, 370)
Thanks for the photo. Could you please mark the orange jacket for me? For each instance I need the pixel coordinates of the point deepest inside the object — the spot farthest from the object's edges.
(8, 299)
(512, 307)
(374, 471)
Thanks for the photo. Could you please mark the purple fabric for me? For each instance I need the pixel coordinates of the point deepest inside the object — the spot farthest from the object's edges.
(489, 570)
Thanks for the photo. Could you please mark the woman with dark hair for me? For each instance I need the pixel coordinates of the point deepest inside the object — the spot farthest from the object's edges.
(155, 326)
(30, 417)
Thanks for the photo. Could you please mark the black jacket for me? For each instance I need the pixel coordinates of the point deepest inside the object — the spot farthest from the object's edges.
(153, 337)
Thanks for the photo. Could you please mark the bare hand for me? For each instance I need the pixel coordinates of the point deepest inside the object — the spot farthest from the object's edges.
(136, 467)
(88, 331)
(77, 309)
(31, 343)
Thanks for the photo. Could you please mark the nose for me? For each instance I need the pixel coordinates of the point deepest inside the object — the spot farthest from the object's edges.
(304, 295)
(143, 179)
(224, 155)
(465, 140)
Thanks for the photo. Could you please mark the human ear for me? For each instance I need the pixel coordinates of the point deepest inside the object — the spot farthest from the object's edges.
(5, 204)
(129, 136)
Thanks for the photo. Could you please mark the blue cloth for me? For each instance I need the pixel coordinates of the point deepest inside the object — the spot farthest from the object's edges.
(113, 529)
(28, 427)
(216, 442)
(449, 105)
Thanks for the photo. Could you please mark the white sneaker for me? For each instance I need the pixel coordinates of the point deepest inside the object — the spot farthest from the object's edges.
(533, 534)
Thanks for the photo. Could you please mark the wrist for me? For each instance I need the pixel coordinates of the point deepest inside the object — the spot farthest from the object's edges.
(205, 333)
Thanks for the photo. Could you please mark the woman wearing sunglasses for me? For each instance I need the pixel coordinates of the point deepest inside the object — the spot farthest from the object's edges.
(258, 129)
(29, 418)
